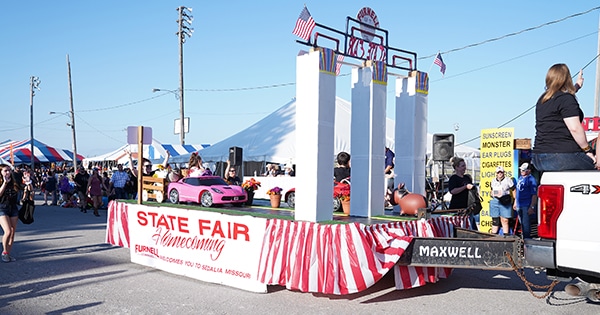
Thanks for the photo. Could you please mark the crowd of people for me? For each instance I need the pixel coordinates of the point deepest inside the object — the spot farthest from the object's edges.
(560, 144)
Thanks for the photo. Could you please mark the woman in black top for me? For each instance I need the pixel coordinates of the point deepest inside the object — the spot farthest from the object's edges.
(9, 214)
(560, 141)
(459, 184)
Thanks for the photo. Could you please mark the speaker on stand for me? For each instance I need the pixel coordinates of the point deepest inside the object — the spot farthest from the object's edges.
(235, 156)
(236, 159)
(443, 150)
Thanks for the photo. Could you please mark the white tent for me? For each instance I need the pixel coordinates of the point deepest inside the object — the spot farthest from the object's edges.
(273, 139)
(154, 151)
(3, 161)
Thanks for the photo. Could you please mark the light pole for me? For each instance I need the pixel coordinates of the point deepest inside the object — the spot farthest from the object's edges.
(34, 85)
(72, 125)
(184, 21)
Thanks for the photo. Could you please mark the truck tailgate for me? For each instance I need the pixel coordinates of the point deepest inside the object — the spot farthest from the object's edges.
(578, 227)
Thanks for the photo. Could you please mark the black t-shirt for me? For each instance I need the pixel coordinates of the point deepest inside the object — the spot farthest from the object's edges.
(551, 132)
(461, 199)
(51, 183)
(8, 199)
(233, 180)
(340, 173)
(81, 180)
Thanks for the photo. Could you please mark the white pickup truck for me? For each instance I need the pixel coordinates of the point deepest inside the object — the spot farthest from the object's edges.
(569, 231)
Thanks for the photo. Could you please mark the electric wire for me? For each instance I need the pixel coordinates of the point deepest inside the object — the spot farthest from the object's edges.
(515, 58)
(525, 111)
(514, 33)
(425, 57)
(293, 83)
(122, 105)
(243, 88)
(98, 130)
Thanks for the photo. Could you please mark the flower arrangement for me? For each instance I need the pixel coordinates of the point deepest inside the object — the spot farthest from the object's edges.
(343, 193)
(251, 185)
(274, 191)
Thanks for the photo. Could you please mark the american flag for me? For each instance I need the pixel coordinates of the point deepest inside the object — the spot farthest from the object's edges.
(338, 65)
(438, 61)
(304, 25)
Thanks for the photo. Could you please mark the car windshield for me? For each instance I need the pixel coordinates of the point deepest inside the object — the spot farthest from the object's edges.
(209, 181)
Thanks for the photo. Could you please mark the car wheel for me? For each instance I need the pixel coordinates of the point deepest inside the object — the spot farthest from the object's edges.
(291, 199)
(174, 196)
(206, 199)
(337, 205)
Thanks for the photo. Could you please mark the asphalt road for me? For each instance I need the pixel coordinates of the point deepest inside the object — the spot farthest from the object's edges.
(64, 267)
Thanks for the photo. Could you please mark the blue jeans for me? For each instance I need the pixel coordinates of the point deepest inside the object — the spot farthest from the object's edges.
(53, 196)
(562, 161)
(526, 220)
(474, 219)
(120, 193)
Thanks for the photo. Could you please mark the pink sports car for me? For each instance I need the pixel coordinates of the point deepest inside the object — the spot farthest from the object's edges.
(206, 190)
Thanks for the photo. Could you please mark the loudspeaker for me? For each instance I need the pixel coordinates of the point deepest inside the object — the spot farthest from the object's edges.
(443, 146)
(235, 156)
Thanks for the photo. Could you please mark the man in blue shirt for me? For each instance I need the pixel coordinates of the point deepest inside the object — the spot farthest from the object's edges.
(526, 201)
(118, 180)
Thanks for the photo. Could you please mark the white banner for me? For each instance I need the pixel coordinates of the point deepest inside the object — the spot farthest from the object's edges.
(207, 246)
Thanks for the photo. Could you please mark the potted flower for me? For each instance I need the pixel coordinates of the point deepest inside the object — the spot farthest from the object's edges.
(275, 195)
(250, 185)
(342, 193)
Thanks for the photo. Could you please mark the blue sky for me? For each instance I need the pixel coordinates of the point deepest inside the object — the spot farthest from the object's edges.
(121, 50)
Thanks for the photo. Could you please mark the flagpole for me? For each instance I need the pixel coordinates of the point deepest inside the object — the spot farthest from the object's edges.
(432, 63)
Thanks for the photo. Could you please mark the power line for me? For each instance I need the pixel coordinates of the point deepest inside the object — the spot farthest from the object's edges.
(293, 83)
(122, 105)
(515, 33)
(526, 111)
(23, 127)
(243, 88)
(518, 57)
(98, 130)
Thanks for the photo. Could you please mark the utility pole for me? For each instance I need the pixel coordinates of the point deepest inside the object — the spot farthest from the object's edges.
(72, 112)
(34, 85)
(184, 21)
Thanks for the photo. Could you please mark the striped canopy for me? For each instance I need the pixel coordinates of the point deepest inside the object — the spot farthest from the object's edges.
(155, 151)
(21, 152)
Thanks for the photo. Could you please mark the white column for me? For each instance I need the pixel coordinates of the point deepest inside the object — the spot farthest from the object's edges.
(367, 138)
(411, 131)
(315, 115)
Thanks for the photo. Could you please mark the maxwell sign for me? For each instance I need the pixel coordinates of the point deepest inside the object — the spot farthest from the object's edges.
(201, 245)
